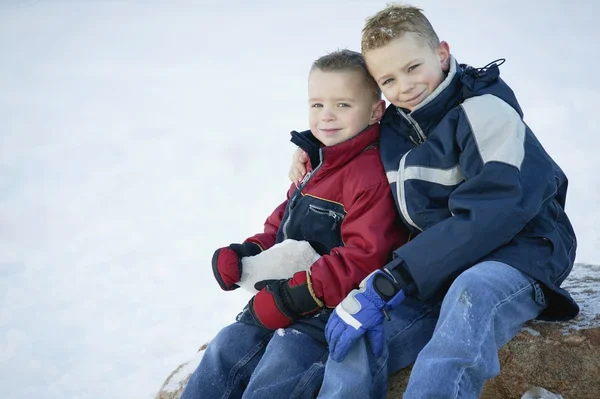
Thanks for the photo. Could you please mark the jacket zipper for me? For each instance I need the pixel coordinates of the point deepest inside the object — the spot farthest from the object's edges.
(336, 216)
(298, 192)
(400, 183)
(420, 135)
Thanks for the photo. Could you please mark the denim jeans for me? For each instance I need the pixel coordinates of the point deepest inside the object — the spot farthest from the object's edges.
(247, 361)
(485, 307)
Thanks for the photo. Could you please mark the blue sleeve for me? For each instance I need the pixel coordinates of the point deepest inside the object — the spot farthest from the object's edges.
(508, 177)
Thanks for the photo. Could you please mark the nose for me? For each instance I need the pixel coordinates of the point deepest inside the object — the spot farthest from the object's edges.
(327, 114)
(406, 86)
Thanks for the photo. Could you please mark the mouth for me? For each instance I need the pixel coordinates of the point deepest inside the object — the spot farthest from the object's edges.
(330, 131)
(414, 100)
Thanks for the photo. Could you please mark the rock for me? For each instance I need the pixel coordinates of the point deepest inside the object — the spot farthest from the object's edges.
(564, 358)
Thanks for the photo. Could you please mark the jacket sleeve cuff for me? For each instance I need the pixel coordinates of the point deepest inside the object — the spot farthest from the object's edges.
(252, 248)
(312, 291)
(397, 269)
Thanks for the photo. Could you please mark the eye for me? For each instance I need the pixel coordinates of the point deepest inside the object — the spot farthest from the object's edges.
(316, 105)
(387, 81)
(413, 67)
(343, 105)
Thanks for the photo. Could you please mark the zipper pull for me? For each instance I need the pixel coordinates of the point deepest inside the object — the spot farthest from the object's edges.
(305, 178)
(336, 218)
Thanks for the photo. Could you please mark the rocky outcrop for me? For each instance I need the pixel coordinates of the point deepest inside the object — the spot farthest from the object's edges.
(564, 358)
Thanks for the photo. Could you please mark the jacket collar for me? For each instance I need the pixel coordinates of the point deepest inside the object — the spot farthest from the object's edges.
(336, 155)
(462, 82)
(445, 97)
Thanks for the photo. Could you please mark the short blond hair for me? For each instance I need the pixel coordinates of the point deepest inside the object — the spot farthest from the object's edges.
(393, 22)
(348, 61)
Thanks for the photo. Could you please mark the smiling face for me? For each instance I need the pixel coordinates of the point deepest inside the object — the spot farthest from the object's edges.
(340, 105)
(407, 69)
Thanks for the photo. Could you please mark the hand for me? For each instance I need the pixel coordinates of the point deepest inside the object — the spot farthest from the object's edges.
(362, 312)
(298, 167)
(279, 302)
(227, 263)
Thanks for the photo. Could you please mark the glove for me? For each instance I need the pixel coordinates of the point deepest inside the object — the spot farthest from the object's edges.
(362, 312)
(227, 263)
(279, 302)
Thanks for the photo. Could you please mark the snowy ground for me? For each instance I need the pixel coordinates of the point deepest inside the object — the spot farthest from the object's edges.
(138, 136)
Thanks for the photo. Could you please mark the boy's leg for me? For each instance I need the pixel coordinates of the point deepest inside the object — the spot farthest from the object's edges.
(228, 362)
(485, 308)
(292, 367)
(361, 375)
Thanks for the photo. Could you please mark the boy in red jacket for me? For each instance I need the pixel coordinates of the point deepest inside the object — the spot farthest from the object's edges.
(345, 210)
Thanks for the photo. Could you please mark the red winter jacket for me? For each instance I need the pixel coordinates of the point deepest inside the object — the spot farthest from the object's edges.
(345, 209)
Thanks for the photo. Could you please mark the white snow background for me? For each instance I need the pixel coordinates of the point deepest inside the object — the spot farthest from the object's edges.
(136, 137)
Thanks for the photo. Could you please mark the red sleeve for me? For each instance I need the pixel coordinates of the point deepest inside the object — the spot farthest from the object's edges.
(370, 231)
(267, 238)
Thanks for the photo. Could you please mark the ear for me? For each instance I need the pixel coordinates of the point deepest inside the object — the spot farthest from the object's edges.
(377, 112)
(443, 52)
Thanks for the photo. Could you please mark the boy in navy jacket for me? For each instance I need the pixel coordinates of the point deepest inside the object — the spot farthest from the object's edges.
(485, 204)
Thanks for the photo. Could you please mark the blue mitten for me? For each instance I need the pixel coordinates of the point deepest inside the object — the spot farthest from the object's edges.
(362, 312)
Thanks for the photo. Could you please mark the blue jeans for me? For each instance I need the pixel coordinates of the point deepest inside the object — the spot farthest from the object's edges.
(247, 361)
(485, 307)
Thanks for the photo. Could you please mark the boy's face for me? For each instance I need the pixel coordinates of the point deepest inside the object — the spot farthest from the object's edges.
(340, 105)
(407, 70)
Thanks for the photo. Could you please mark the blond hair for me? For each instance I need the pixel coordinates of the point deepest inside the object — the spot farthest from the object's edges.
(348, 61)
(393, 22)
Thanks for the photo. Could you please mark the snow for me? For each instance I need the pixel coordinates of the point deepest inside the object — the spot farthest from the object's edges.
(278, 262)
(584, 285)
(531, 331)
(540, 393)
(136, 137)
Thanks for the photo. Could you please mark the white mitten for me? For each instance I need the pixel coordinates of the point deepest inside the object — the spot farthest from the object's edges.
(280, 261)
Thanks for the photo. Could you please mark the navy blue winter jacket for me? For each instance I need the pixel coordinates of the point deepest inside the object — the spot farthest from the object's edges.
(473, 183)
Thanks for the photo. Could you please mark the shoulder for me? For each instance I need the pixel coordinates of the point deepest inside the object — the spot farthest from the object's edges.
(497, 129)
(365, 171)
(488, 108)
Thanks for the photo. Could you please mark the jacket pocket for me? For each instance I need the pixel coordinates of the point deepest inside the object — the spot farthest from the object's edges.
(337, 217)
(539, 247)
(322, 227)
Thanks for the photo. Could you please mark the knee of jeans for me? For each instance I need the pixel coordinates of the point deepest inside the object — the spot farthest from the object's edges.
(228, 334)
(219, 341)
(467, 282)
(487, 282)
(470, 287)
